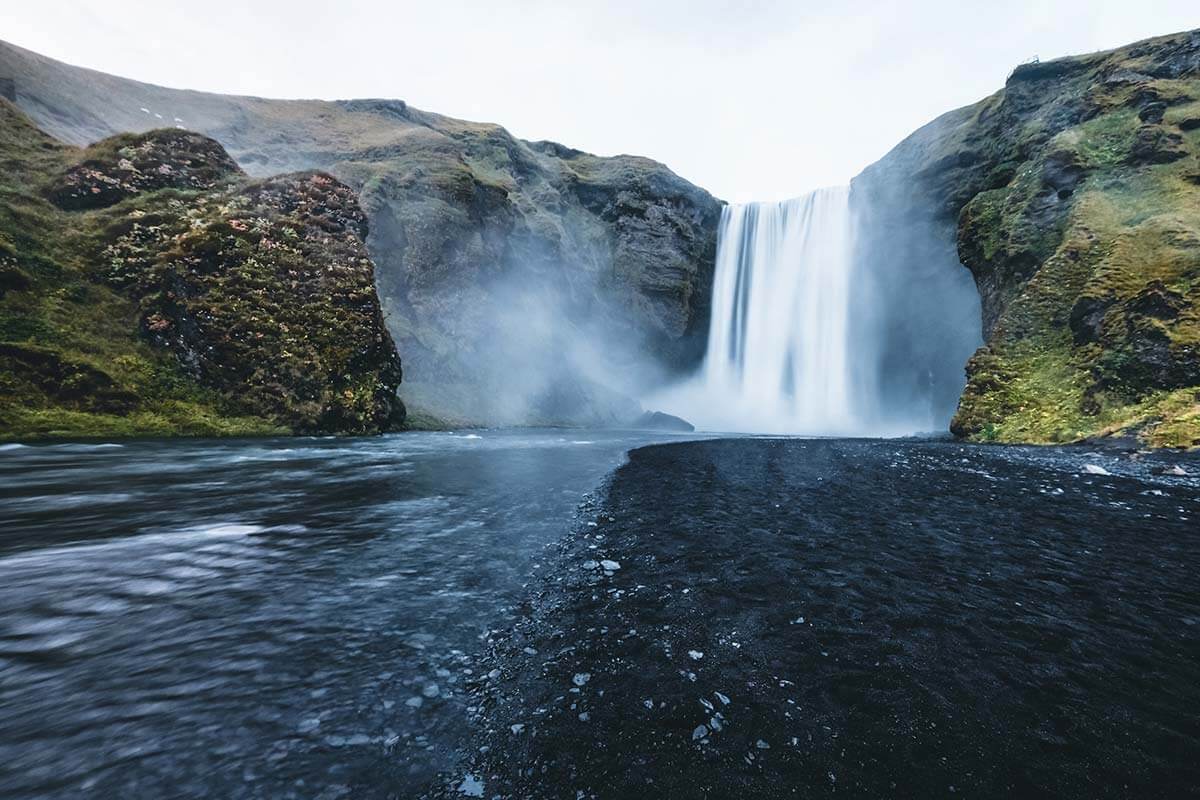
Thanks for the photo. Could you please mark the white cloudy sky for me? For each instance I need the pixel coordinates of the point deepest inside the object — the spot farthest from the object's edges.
(752, 100)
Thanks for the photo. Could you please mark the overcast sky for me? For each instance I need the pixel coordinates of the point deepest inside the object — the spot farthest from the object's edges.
(752, 100)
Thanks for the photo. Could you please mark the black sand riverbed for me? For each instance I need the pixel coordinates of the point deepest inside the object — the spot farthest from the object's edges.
(768, 618)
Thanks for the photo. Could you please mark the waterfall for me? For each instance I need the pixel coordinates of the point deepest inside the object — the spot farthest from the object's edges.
(779, 351)
(826, 322)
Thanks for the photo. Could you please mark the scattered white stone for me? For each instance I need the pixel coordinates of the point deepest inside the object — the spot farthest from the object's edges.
(581, 678)
(715, 723)
(431, 690)
(1093, 469)
(724, 700)
(529, 651)
(1177, 471)
(584, 717)
(610, 566)
(695, 655)
(762, 745)
(699, 733)
(494, 674)
(471, 786)
(589, 564)
(648, 703)
(520, 726)
(415, 702)
(798, 621)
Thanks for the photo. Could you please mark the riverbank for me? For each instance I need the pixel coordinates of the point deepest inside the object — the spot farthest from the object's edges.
(760, 618)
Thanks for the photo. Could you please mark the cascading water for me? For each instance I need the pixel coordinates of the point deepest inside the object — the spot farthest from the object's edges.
(780, 356)
(830, 319)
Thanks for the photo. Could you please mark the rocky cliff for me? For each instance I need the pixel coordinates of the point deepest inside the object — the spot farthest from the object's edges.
(1073, 197)
(522, 281)
(148, 286)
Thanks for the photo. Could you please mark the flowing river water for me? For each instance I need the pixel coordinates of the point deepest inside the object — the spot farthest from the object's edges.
(264, 618)
(466, 615)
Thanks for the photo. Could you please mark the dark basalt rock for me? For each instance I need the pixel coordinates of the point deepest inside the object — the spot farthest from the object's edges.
(1156, 145)
(120, 168)
(661, 421)
(1087, 317)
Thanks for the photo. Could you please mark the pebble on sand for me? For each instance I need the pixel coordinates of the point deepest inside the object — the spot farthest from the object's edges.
(1092, 469)
(471, 786)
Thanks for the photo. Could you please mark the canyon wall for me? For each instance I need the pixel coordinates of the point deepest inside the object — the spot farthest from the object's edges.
(523, 282)
(1073, 197)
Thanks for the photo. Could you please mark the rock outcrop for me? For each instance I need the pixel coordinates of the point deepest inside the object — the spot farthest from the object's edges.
(151, 287)
(522, 281)
(1073, 197)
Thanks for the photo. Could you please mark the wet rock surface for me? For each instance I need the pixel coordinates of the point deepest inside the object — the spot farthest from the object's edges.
(858, 619)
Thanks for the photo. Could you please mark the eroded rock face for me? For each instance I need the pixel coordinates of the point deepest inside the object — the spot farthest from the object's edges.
(181, 297)
(512, 273)
(266, 293)
(1072, 201)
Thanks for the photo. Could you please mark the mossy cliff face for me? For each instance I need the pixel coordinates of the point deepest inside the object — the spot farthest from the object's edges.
(1074, 197)
(148, 287)
(517, 277)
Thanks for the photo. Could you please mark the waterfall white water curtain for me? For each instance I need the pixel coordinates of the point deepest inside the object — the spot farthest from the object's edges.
(779, 351)
(824, 324)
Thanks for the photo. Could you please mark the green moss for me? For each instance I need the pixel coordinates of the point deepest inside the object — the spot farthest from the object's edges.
(195, 303)
(1105, 141)
(1095, 299)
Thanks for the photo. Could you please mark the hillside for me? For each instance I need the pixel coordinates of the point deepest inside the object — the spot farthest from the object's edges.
(522, 281)
(149, 287)
(1073, 197)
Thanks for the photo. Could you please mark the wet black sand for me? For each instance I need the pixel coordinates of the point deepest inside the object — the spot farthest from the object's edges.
(858, 619)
